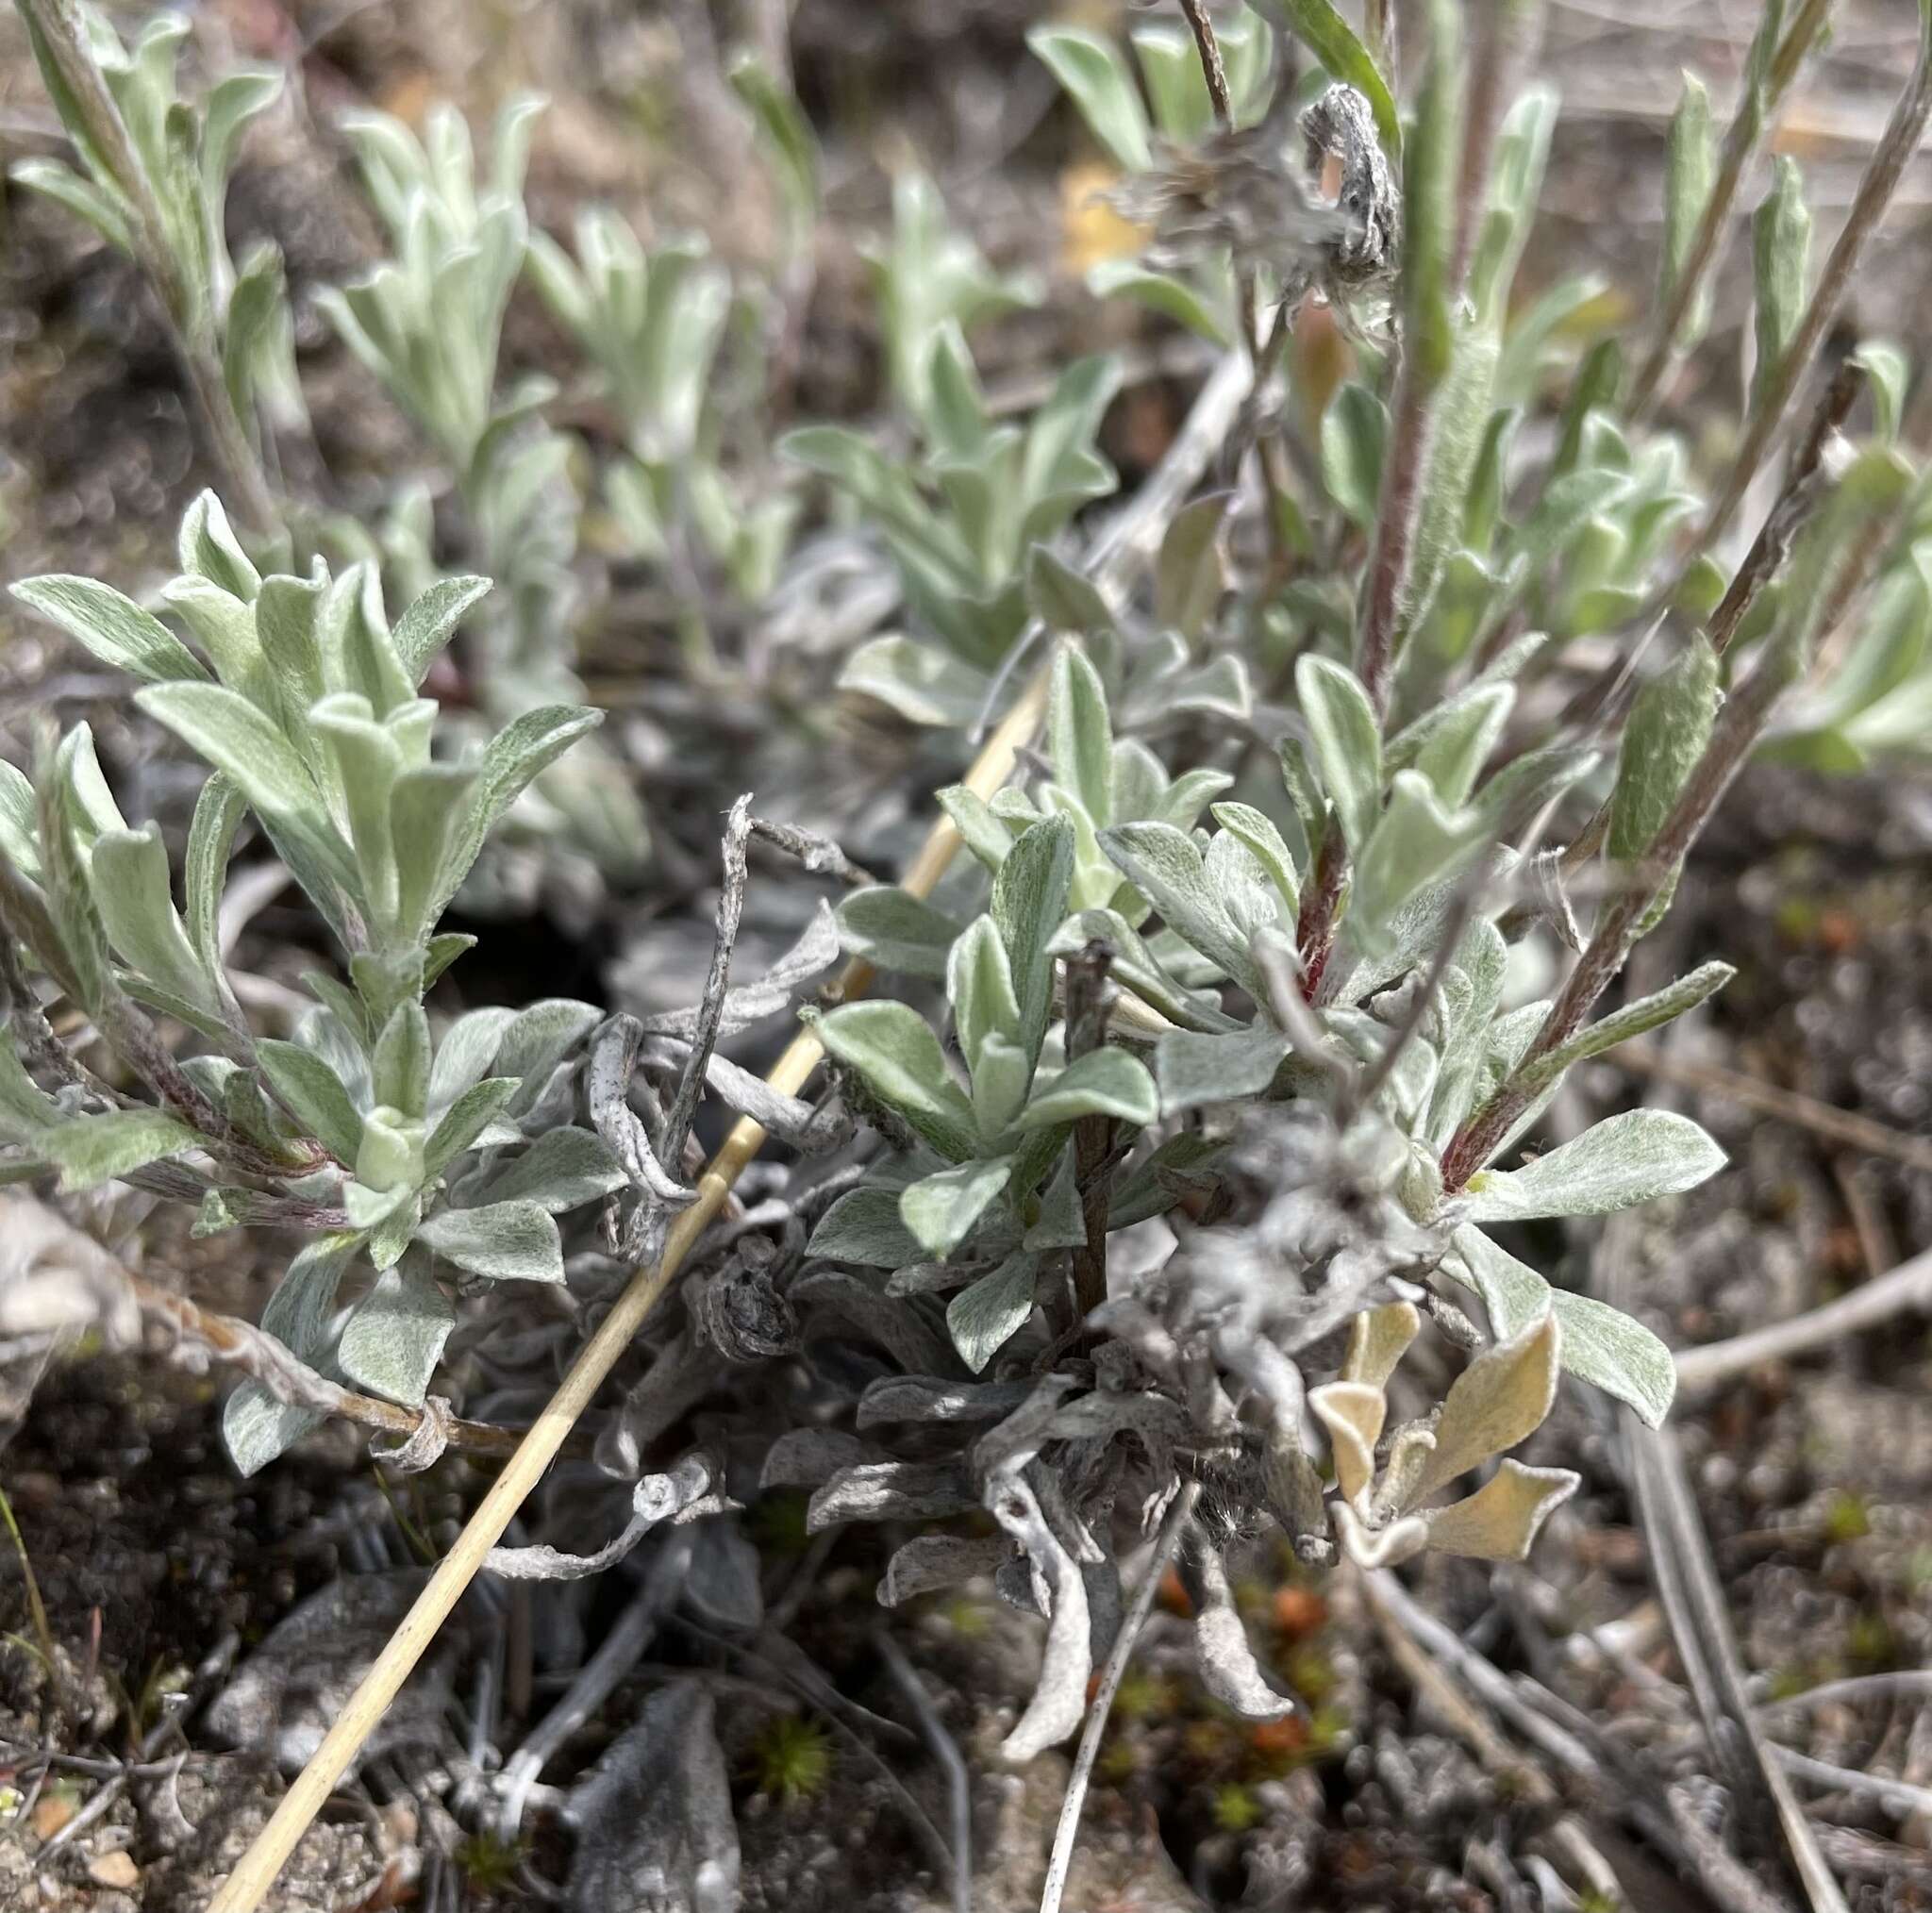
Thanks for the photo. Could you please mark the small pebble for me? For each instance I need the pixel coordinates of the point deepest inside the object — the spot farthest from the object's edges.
(114, 1869)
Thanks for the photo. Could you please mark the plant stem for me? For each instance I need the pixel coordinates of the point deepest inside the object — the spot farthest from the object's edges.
(1739, 722)
(1315, 929)
(1261, 353)
(1899, 141)
(1756, 113)
(1213, 69)
(1132, 1622)
(1773, 544)
(1088, 1002)
(1506, 40)
(290, 1379)
(36, 1607)
(1383, 41)
(58, 26)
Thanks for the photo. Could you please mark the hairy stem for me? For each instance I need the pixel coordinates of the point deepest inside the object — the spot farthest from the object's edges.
(1088, 1002)
(1506, 40)
(58, 27)
(1740, 723)
(1901, 141)
(1756, 111)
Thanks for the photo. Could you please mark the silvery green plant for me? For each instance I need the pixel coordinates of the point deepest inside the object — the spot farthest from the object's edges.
(960, 517)
(417, 1156)
(683, 353)
(152, 178)
(1327, 977)
(652, 325)
(428, 324)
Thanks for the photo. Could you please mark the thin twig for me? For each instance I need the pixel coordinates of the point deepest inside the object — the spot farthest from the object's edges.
(1212, 67)
(1899, 1797)
(1430, 1654)
(1912, 1682)
(1906, 1289)
(1901, 141)
(620, 1651)
(684, 1105)
(292, 1382)
(946, 1750)
(1787, 1105)
(1693, 1602)
(1132, 1622)
(1740, 723)
(1507, 34)
(1089, 998)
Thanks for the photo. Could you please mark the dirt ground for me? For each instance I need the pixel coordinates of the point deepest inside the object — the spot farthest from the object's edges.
(160, 1573)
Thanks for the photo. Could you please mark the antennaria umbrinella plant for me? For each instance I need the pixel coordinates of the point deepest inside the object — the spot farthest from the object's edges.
(1204, 1085)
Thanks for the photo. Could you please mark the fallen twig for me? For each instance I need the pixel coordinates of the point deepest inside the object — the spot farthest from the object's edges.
(1687, 1583)
(945, 1751)
(1907, 1288)
(1786, 1105)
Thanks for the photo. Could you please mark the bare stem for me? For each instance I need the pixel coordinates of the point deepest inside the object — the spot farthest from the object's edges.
(290, 1380)
(1088, 1002)
(1506, 40)
(1773, 544)
(1212, 67)
(1315, 930)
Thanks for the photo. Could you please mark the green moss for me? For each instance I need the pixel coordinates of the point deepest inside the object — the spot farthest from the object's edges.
(1144, 1697)
(967, 1618)
(1236, 1809)
(1311, 1674)
(489, 1864)
(1848, 1518)
(791, 1760)
(1870, 1643)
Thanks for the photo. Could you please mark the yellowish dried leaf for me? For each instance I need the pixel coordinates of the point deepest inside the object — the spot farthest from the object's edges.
(1495, 1401)
(1380, 1547)
(1352, 1413)
(1377, 1339)
(1500, 1519)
